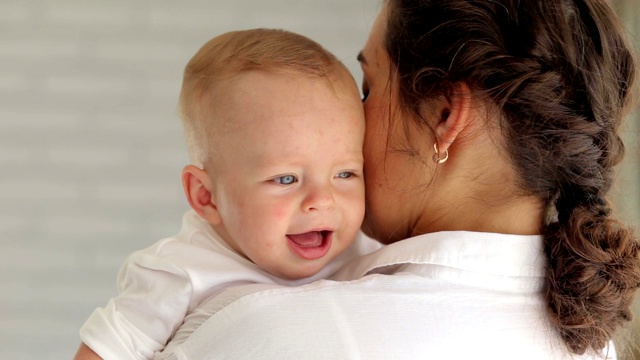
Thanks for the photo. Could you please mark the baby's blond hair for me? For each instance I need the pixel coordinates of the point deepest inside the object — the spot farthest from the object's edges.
(232, 53)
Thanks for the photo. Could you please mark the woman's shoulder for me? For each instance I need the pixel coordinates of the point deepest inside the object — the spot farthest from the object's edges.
(414, 303)
(406, 315)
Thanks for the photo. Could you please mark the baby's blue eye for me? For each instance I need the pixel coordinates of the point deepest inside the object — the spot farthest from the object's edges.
(345, 174)
(286, 179)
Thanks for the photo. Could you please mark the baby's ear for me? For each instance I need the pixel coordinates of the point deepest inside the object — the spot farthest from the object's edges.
(197, 187)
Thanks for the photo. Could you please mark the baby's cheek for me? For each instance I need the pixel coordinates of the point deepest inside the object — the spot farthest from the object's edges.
(280, 211)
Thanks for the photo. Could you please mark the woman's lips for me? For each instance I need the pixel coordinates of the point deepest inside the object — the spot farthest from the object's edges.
(310, 245)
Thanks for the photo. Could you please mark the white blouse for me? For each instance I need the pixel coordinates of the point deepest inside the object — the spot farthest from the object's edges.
(447, 295)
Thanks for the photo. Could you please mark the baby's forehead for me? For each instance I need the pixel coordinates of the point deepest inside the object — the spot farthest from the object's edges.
(337, 78)
(238, 92)
(261, 102)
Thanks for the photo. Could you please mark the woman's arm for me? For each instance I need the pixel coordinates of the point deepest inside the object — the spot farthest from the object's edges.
(85, 353)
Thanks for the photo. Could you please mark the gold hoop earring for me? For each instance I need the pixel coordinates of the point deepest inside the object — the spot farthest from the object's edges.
(436, 157)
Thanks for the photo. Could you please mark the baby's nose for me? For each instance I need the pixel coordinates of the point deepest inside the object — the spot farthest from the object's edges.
(319, 198)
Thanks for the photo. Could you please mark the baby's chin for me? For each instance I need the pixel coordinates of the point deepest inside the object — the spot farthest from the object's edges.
(298, 273)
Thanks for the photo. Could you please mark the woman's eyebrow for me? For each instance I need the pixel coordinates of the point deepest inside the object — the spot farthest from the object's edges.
(361, 58)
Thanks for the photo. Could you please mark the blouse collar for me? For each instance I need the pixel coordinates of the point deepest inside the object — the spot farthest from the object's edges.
(485, 253)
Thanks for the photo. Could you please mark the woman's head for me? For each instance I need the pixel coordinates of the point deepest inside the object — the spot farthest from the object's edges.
(559, 72)
(408, 193)
(548, 82)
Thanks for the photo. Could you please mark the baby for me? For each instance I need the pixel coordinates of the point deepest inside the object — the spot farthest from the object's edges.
(274, 128)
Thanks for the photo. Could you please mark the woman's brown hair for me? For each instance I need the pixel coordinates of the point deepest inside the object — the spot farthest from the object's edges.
(561, 73)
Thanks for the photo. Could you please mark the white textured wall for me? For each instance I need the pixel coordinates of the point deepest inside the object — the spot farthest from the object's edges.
(91, 147)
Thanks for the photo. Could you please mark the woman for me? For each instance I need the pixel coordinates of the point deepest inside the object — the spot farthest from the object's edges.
(491, 138)
(544, 85)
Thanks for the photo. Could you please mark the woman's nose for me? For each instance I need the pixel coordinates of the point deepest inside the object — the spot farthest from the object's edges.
(319, 198)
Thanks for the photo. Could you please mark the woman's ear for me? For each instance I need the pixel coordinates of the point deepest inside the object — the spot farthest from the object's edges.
(198, 187)
(454, 117)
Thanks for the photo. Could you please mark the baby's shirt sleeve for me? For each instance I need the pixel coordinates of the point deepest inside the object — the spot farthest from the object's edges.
(154, 297)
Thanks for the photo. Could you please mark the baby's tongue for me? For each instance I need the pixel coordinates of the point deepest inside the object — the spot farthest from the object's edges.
(310, 239)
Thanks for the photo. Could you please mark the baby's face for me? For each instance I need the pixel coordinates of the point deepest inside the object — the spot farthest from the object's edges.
(288, 179)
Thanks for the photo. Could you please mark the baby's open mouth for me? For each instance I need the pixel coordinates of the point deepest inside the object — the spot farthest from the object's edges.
(311, 245)
(310, 239)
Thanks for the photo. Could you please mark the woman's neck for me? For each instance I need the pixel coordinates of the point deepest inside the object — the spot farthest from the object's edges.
(519, 216)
